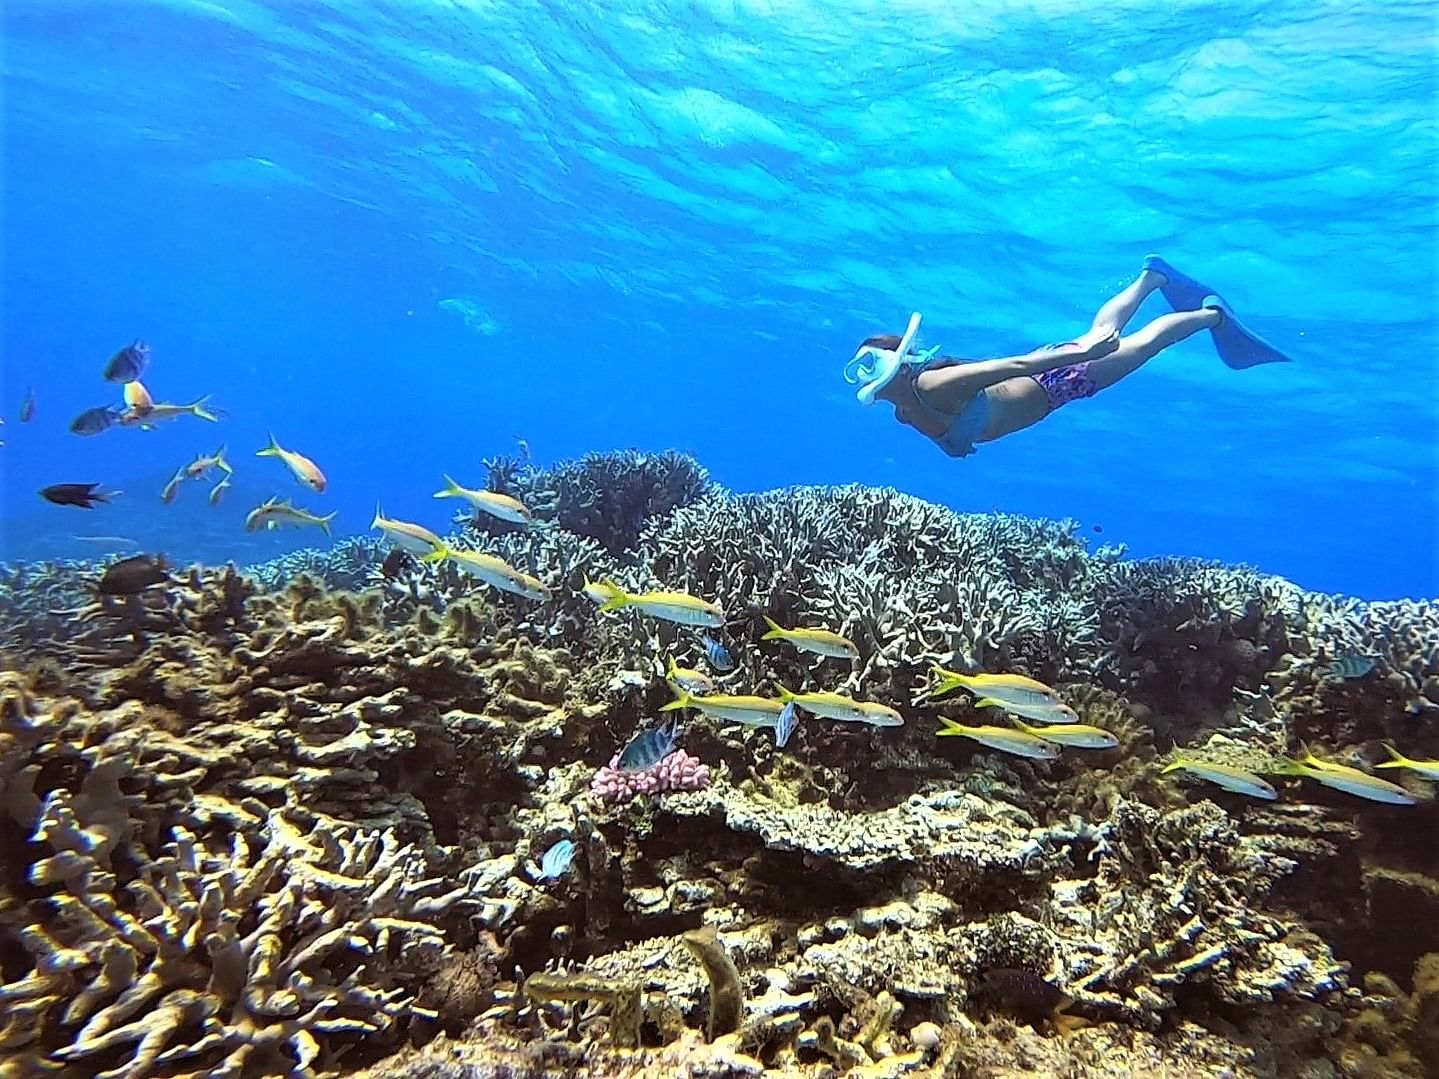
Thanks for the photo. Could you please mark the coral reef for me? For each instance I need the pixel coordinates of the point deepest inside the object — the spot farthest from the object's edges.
(286, 819)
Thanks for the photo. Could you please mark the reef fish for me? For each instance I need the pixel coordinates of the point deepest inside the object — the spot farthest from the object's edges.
(128, 364)
(1348, 667)
(649, 747)
(751, 711)
(1349, 780)
(1028, 996)
(1223, 775)
(678, 607)
(688, 680)
(492, 571)
(84, 495)
(1009, 688)
(94, 420)
(218, 491)
(786, 723)
(844, 709)
(716, 654)
(556, 861)
(147, 418)
(27, 407)
(492, 502)
(1077, 736)
(417, 539)
(1039, 711)
(601, 591)
(137, 398)
(1004, 739)
(820, 642)
(278, 511)
(1427, 769)
(172, 488)
(202, 464)
(301, 467)
(131, 576)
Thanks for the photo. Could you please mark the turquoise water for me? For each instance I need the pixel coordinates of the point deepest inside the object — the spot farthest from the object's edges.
(398, 235)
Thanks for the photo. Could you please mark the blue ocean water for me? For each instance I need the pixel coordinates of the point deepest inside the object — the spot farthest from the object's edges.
(400, 234)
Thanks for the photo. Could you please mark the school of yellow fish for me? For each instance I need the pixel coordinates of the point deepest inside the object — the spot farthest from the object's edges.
(1052, 725)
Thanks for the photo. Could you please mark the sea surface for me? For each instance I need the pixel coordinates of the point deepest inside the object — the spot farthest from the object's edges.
(400, 235)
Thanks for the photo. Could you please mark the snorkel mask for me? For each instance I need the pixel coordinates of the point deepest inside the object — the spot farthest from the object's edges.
(874, 368)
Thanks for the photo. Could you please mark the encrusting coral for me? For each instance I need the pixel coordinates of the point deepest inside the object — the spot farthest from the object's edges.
(287, 819)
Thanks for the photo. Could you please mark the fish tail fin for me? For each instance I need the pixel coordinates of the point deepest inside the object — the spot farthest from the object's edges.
(324, 522)
(988, 702)
(1287, 766)
(1396, 759)
(619, 598)
(682, 700)
(439, 554)
(776, 631)
(198, 408)
(220, 462)
(786, 694)
(379, 513)
(944, 681)
(452, 489)
(672, 667)
(272, 450)
(949, 726)
(1173, 766)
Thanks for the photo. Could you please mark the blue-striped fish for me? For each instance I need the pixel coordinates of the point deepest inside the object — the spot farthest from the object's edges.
(785, 725)
(649, 747)
(1350, 666)
(717, 654)
(556, 861)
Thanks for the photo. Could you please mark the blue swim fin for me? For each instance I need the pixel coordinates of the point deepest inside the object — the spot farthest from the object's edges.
(1237, 345)
(1180, 291)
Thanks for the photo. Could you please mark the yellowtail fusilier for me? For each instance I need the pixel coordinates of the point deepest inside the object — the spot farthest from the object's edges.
(687, 680)
(601, 591)
(417, 539)
(1004, 739)
(1012, 689)
(751, 711)
(492, 502)
(492, 571)
(836, 706)
(147, 417)
(1349, 780)
(1076, 736)
(275, 512)
(1046, 712)
(678, 607)
(820, 642)
(1227, 776)
(1427, 769)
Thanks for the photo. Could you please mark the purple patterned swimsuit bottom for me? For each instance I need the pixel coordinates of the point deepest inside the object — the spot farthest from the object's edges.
(1066, 384)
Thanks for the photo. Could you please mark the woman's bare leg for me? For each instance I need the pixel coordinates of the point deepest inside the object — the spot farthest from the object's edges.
(1138, 348)
(1118, 310)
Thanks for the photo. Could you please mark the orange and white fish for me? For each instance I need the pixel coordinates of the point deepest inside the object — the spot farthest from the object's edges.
(304, 469)
(137, 398)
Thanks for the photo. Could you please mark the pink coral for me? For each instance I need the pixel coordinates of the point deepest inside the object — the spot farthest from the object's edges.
(676, 772)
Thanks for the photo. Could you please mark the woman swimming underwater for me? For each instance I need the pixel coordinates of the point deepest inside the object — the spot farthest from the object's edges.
(960, 402)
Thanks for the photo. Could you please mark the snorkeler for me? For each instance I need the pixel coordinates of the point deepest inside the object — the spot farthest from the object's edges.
(957, 403)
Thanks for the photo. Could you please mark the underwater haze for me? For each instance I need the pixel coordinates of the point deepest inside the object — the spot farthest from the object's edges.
(399, 235)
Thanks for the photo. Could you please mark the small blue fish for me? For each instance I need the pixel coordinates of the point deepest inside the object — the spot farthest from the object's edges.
(556, 861)
(128, 364)
(717, 654)
(94, 420)
(648, 748)
(784, 726)
(1350, 666)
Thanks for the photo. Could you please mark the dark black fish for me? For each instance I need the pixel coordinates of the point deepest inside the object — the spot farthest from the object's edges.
(1023, 993)
(395, 563)
(94, 420)
(129, 363)
(84, 495)
(717, 654)
(648, 748)
(131, 576)
(1097, 528)
(27, 407)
